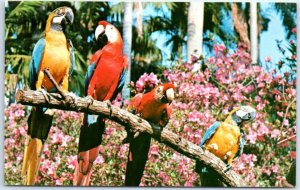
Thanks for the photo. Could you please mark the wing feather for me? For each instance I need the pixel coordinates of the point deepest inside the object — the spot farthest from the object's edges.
(210, 131)
(35, 62)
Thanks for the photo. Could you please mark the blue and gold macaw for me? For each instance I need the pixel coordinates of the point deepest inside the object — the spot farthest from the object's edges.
(226, 141)
(55, 53)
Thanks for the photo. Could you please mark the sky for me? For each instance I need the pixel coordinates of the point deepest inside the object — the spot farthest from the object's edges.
(268, 38)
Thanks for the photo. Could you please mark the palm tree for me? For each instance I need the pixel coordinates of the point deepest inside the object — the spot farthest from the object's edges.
(195, 27)
(127, 43)
(253, 32)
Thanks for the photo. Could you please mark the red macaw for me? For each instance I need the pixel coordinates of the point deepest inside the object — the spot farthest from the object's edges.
(153, 107)
(226, 141)
(56, 53)
(105, 78)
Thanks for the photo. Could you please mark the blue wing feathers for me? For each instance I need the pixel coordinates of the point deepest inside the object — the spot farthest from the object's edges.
(35, 62)
(242, 143)
(121, 83)
(72, 56)
(89, 75)
(210, 131)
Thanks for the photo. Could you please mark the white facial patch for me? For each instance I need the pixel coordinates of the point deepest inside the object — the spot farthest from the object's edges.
(57, 19)
(112, 33)
(170, 94)
(246, 110)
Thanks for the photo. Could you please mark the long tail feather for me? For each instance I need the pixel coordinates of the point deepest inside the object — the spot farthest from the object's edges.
(39, 124)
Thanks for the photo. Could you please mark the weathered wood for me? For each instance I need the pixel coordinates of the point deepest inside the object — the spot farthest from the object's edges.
(87, 105)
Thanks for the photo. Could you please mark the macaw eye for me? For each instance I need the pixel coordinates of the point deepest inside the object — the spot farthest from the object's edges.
(248, 115)
(159, 89)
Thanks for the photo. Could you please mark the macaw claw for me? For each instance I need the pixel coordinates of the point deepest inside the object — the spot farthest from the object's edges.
(228, 167)
(73, 98)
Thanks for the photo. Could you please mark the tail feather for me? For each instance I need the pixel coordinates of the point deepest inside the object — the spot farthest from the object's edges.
(89, 140)
(137, 158)
(208, 177)
(39, 124)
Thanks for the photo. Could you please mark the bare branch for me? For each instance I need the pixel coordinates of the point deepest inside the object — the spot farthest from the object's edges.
(36, 98)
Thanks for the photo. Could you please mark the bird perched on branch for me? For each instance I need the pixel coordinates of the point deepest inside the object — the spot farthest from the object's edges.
(226, 141)
(55, 53)
(105, 78)
(153, 107)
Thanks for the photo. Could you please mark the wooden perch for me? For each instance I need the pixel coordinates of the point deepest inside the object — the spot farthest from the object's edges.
(87, 105)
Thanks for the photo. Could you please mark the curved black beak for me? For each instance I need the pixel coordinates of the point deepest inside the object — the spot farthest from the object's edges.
(69, 18)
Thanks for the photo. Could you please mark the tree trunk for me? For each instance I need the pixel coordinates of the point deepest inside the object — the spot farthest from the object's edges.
(127, 42)
(121, 116)
(253, 32)
(240, 25)
(195, 28)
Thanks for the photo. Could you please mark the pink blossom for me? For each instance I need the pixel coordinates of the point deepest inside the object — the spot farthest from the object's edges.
(280, 114)
(72, 162)
(268, 59)
(275, 133)
(294, 30)
(285, 122)
(274, 169)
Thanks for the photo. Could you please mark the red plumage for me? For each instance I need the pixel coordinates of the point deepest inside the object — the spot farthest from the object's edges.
(153, 107)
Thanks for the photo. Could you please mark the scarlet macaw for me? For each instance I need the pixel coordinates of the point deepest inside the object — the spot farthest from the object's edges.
(104, 80)
(153, 107)
(225, 140)
(56, 53)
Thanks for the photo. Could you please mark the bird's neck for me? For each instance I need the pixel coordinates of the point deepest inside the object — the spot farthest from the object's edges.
(56, 27)
(233, 121)
(55, 37)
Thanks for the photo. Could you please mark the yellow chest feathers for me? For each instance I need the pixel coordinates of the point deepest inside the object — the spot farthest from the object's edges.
(225, 142)
(56, 57)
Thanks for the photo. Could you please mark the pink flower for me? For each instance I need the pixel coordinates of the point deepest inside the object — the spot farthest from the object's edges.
(280, 114)
(285, 122)
(274, 169)
(275, 133)
(294, 30)
(268, 59)
(72, 162)
(99, 160)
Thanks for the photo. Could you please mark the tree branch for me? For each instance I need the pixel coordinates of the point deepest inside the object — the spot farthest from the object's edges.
(36, 98)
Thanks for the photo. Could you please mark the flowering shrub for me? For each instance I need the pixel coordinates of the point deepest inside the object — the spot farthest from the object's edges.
(203, 97)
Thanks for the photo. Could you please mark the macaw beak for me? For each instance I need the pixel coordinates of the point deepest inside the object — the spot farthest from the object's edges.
(99, 31)
(170, 94)
(69, 17)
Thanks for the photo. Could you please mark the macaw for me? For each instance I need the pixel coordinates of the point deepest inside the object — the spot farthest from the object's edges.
(56, 53)
(225, 140)
(153, 107)
(105, 78)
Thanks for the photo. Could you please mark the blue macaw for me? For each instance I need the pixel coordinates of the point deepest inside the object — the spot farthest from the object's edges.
(225, 140)
(55, 53)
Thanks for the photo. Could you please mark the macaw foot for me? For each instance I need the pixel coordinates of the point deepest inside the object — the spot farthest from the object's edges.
(71, 98)
(31, 160)
(89, 100)
(156, 130)
(46, 96)
(228, 167)
(108, 103)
